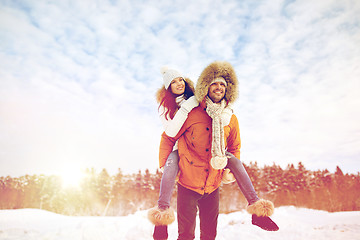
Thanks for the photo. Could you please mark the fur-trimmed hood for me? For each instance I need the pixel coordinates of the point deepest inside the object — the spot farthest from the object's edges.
(215, 70)
(161, 91)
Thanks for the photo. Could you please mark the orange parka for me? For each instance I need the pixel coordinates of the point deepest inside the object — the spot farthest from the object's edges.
(194, 145)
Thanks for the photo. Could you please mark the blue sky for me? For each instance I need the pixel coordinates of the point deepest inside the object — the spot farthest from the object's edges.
(78, 78)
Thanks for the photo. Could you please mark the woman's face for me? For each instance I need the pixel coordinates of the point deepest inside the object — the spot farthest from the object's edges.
(178, 86)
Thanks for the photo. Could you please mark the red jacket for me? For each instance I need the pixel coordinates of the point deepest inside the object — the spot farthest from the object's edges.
(194, 148)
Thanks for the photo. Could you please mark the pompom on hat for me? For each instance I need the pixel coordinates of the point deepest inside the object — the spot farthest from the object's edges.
(169, 74)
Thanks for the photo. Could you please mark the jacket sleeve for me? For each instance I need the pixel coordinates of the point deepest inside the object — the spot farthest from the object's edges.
(167, 144)
(233, 141)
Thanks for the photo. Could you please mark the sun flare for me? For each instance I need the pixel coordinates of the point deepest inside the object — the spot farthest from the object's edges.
(72, 177)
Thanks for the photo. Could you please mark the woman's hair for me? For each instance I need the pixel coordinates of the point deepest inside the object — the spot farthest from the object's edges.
(168, 100)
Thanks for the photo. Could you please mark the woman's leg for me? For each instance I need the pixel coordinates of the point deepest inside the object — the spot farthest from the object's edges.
(260, 209)
(163, 215)
(167, 184)
(242, 178)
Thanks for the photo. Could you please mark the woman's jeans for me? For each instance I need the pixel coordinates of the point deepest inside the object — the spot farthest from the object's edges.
(171, 169)
(242, 178)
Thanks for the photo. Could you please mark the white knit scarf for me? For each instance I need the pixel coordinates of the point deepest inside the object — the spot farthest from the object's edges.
(180, 99)
(214, 110)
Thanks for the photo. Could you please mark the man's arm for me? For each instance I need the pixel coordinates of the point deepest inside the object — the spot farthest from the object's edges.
(233, 141)
(167, 144)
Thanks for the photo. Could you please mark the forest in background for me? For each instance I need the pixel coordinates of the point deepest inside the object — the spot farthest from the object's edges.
(100, 194)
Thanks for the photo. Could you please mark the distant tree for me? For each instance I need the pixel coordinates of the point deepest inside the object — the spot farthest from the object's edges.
(102, 194)
(118, 185)
(254, 173)
(51, 186)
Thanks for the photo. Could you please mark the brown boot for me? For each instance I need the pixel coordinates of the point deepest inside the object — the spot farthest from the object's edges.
(264, 223)
(261, 212)
(160, 232)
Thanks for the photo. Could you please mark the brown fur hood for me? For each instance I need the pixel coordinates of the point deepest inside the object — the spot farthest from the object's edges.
(215, 70)
(161, 92)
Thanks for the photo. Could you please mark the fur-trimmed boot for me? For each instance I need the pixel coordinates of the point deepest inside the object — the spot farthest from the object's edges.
(261, 212)
(159, 216)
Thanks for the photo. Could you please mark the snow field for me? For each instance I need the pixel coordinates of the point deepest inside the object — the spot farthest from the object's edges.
(294, 223)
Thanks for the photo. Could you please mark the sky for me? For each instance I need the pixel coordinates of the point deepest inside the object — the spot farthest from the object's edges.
(78, 79)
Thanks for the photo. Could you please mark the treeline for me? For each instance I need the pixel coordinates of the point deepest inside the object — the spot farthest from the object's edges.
(100, 194)
(299, 187)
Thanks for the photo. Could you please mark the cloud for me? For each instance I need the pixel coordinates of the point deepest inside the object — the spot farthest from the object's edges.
(296, 84)
(77, 81)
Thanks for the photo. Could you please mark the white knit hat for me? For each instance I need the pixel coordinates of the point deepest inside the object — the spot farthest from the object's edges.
(169, 75)
(219, 79)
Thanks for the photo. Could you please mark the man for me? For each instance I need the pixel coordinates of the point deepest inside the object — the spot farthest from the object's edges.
(202, 142)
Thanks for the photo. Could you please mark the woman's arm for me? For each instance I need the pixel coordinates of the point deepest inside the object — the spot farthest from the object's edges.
(172, 126)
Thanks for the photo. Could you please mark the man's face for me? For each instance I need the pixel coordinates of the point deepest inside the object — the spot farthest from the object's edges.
(217, 91)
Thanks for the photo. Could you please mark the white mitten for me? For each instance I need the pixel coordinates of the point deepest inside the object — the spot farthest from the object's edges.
(190, 103)
(226, 115)
(228, 177)
(218, 162)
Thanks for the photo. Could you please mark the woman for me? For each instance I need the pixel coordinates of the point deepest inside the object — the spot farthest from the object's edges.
(176, 99)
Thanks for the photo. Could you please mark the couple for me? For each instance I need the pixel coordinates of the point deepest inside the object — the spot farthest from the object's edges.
(201, 145)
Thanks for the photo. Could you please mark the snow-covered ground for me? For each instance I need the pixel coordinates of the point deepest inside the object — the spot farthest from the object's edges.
(294, 223)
